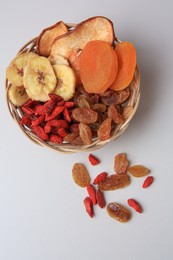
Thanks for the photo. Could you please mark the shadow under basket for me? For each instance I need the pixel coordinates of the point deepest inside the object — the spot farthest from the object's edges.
(17, 113)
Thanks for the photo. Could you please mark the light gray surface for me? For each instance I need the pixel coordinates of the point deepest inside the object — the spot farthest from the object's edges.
(41, 212)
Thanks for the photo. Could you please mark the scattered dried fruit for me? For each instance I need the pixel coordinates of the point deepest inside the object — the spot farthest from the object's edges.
(118, 212)
(147, 182)
(121, 163)
(138, 170)
(100, 177)
(135, 205)
(92, 194)
(114, 181)
(88, 206)
(100, 199)
(93, 159)
(80, 175)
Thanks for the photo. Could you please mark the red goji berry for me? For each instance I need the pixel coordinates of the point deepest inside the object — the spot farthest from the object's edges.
(89, 206)
(60, 103)
(26, 120)
(27, 110)
(39, 131)
(39, 110)
(38, 120)
(100, 177)
(66, 114)
(55, 97)
(147, 182)
(93, 159)
(31, 103)
(56, 139)
(57, 110)
(69, 104)
(47, 127)
(92, 193)
(100, 198)
(59, 123)
(135, 205)
(49, 106)
(62, 132)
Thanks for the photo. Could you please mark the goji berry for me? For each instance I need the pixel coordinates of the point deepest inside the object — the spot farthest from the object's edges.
(27, 110)
(55, 97)
(89, 206)
(66, 114)
(39, 110)
(49, 106)
(60, 103)
(93, 159)
(60, 123)
(62, 132)
(92, 193)
(100, 177)
(39, 131)
(147, 182)
(38, 120)
(135, 205)
(100, 198)
(26, 120)
(57, 110)
(69, 104)
(31, 103)
(56, 139)
(47, 127)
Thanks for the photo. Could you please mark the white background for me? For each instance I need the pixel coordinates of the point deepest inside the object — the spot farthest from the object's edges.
(42, 216)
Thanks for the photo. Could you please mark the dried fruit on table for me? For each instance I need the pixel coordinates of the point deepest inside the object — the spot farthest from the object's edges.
(99, 107)
(135, 205)
(57, 110)
(66, 81)
(84, 115)
(118, 212)
(92, 194)
(15, 70)
(39, 78)
(26, 120)
(114, 181)
(98, 66)
(147, 182)
(85, 133)
(71, 137)
(80, 175)
(47, 36)
(59, 123)
(83, 33)
(100, 177)
(100, 199)
(38, 120)
(121, 163)
(104, 130)
(67, 115)
(113, 113)
(17, 95)
(93, 159)
(89, 206)
(126, 54)
(138, 170)
(56, 139)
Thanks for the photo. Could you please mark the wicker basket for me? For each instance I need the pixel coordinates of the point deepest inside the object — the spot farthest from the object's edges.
(17, 113)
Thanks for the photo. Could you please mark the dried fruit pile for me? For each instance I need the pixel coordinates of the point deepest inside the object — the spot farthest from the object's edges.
(104, 182)
(73, 86)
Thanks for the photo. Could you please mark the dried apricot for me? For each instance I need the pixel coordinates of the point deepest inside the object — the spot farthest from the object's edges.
(126, 54)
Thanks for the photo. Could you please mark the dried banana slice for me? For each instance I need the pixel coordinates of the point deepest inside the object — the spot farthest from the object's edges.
(66, 81)
(15, 70)
(17, 95)
(58, 59)
(39, 78)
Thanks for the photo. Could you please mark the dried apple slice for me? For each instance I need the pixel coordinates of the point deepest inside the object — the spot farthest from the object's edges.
(47, 37)
(95, 28)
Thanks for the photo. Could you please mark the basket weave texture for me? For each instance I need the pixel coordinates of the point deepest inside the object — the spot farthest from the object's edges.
(17, 113)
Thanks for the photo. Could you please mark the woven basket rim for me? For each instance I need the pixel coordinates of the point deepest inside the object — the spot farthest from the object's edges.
(16, 113)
